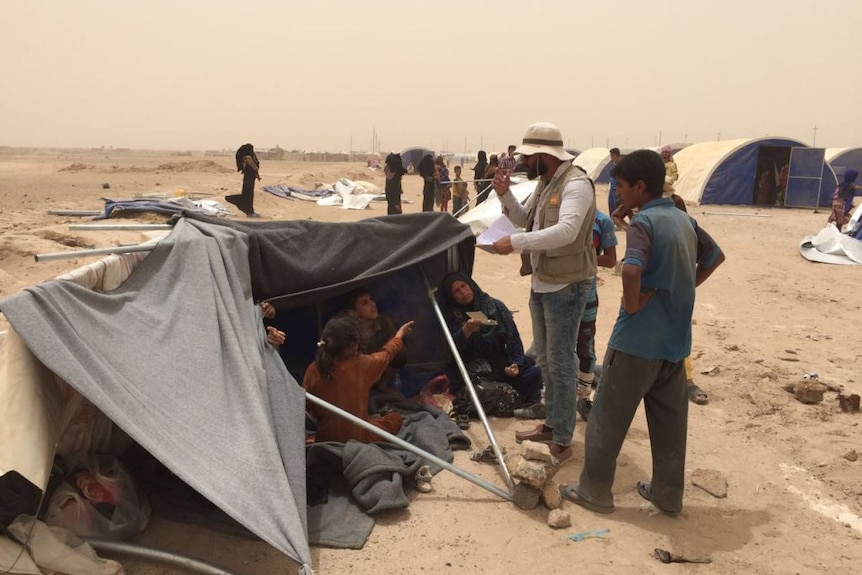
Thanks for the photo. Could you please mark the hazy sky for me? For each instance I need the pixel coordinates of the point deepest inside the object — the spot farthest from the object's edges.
(205, 74)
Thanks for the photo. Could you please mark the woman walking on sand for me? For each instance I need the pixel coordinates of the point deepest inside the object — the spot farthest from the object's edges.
(249, 165)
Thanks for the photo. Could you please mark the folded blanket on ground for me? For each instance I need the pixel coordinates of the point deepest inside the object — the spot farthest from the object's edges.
(369, 477)
(169, 207)
(293, 192)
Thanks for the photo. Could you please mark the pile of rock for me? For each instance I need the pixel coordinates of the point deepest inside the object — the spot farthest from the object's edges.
(534, 469)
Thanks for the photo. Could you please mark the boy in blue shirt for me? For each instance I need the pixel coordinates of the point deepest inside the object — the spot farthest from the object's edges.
(605, 243)
(667, 257)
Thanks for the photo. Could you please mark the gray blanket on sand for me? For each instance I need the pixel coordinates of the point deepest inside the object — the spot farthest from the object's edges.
(350, 482)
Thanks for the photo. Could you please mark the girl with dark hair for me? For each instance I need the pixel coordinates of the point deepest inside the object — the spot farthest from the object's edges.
(249, 165)
(393, 169)
(490, 171)
(497, 342)
(343, 376)
(479, 174)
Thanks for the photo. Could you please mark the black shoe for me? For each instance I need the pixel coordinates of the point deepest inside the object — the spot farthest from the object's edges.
(583, 407)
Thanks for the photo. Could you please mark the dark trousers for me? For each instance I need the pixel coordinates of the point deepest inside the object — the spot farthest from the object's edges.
(626, 380)
(428, 195)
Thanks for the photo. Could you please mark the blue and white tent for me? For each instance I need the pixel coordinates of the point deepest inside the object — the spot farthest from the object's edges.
(842, 158)
(759, 171)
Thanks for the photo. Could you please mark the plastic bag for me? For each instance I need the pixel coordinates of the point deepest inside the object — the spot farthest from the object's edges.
(99, 499)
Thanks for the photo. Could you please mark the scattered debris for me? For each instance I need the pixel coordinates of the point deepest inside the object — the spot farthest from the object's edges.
(710, 481)
(106, 186)
(733, 347)
(592, 534)
(551, 495)
(809, 391)
(535, 451)
(559, 519)
(526, 496)
(848, 403)
(667, 557)
(711, 370)
(487, 455)
(788, 359)
(851, 455)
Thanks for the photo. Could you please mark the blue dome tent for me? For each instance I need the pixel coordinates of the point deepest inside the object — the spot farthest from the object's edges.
(757, 171)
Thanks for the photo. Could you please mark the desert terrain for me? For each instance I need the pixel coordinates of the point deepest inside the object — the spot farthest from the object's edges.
(765, 318)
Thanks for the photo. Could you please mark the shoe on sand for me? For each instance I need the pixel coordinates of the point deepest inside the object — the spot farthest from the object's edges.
(535, 410)
(537, 434)
(570, 493)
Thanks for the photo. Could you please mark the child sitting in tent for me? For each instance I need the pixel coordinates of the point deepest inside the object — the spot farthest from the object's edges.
(343, 376)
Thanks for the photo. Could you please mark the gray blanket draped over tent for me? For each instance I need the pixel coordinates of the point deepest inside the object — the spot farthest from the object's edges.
(176, 356)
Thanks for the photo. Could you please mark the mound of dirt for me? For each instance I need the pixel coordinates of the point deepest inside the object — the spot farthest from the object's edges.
(196, 166)
(77, 167)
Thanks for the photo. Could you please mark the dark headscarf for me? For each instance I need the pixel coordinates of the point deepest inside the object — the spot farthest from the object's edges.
(492, 308)
(393, 160)
(426, 166)
(850, 175)
(847, 189)
(242, 152)
(481, 165)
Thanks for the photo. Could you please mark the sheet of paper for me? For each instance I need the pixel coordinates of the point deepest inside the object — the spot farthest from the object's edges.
(478, 315)
(501, 228)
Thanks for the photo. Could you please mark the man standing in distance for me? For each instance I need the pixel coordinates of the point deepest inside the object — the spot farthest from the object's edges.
(508, 161)
(557, 250)
(613, 199)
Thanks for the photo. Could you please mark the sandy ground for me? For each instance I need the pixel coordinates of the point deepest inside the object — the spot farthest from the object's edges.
(765, 318)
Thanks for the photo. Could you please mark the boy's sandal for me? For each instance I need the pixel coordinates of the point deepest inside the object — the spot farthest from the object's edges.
(645, 491)
(422, 479)
(570, 493)
(697, 395)
(462, 421)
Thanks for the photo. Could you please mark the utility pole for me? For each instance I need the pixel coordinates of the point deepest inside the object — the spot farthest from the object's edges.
(685, 139)
(607, 142)
(718, 136)
(627, 143)
(659, 137)
(592, 141)
(814, 138)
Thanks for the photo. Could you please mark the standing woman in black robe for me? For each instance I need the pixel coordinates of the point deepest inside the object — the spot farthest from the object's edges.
(393, 169)
(479, 174)
(249, 165)
(426, 170)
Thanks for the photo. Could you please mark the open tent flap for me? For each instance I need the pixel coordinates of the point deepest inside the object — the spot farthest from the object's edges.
(176, 357)
(305, 268)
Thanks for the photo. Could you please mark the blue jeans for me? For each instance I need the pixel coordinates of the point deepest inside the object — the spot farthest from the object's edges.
(556, 317)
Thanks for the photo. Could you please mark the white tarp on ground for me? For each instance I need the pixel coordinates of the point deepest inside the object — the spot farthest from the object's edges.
(830, 246)
(486, 213)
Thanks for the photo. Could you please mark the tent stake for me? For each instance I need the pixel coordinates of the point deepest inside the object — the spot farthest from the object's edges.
(94, 252)
(409, 447)
(469, 383)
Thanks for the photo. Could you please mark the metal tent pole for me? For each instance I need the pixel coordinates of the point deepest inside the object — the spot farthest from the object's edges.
(114, 227)
(94, 252)
(466, 206)
(469, 383)
(410, 447)
(166, 557)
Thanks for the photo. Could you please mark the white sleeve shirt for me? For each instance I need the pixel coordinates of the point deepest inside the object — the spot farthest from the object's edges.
(576, 199)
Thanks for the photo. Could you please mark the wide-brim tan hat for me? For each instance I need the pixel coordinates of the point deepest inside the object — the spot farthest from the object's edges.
(544, 138)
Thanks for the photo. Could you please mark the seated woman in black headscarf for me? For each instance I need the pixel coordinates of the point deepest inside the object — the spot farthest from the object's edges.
(498, 343)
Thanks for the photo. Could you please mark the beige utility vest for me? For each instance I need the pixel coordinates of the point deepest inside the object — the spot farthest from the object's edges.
(574, 262)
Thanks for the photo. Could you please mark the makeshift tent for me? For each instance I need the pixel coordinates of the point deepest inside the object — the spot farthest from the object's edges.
(414, 156)
(595, 162)
(175, 355)
(842, 158)
(762, 171)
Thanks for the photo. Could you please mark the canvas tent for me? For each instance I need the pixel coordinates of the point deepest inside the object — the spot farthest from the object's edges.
(760, 171)
(842, 158)
(595, 162)
(414, 156)
(175, 355)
